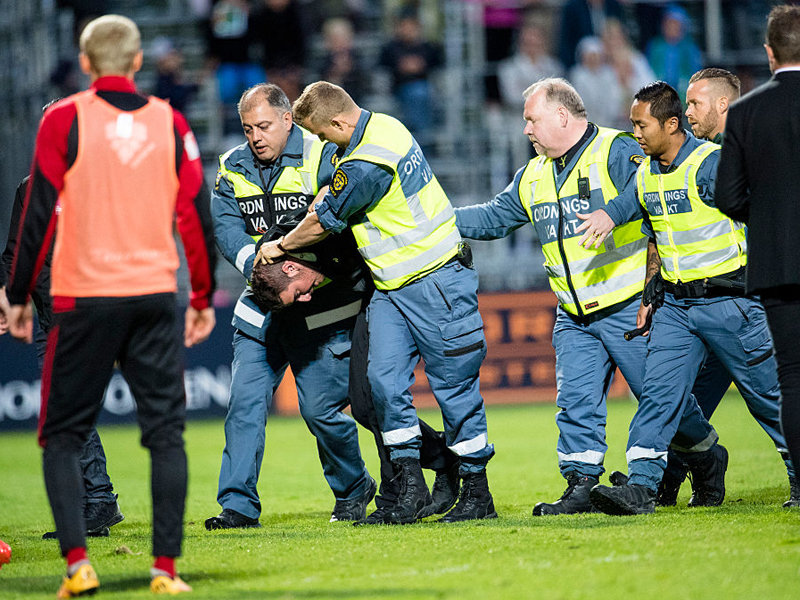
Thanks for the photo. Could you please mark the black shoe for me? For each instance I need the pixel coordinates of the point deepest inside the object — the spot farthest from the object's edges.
(474, 502)
(99, 516)
(623, 499)
(230, 519)
(380, 516)
(445, 490)
(670, 485)
(355, 509)
(794, 494)
(104, 532)
(102, 515)
(618, 478)
(707, 474)
(414, 498)
(574, 500)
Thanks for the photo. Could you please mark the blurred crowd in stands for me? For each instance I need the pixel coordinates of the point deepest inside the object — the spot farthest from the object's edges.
(390, 56)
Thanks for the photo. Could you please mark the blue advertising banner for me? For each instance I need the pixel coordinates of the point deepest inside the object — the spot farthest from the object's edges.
(207, 379)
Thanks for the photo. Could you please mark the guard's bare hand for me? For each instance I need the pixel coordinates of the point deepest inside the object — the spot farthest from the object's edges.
(268, 252)
(20, 322)
(199, 324)
(597, 226)
(644, 317)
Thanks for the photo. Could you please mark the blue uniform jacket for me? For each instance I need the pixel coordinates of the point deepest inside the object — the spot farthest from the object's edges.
(234, 226)
(505, 213)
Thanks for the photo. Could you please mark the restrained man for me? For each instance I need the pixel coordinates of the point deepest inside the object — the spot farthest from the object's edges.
(296, 276)
(580, 167)
(279, 169)
(700, 254)
(425, 304)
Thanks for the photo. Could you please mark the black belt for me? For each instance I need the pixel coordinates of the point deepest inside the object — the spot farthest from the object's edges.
(729, 284)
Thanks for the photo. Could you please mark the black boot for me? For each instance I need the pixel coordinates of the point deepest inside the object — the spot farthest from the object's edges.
(445, 490)
(414, 498)
(623, 499)
(707, 473)
(474, 502)
(794, 494)
(574, 500)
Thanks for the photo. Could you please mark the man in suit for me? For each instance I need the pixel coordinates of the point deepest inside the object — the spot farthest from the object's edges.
(758, 184)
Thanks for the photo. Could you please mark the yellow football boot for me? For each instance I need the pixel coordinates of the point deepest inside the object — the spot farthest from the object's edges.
(83, 583)
(168, 585)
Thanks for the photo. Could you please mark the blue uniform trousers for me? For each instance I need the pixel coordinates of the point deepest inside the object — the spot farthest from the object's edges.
(588, 351)
(320, 363)
(435, 318)
(682, 334)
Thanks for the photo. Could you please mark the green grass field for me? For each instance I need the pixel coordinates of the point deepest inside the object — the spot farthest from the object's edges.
(749, 548)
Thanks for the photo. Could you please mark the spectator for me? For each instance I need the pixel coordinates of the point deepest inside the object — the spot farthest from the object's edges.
(580, 18)
(596, 82)
(501, 21)
(631, 67)
(279, 30)
(170, 84)
(410, 60)
(529, 64)
(229, 49)
(673, 55)
(341, 65)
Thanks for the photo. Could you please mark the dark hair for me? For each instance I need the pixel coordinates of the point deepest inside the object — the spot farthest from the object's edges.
(267, 282)
(783, 34)
(720, 77)
(663, 99)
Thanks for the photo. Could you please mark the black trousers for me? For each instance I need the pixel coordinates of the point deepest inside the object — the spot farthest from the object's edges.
(434, 453)
(90, 334)
(96, 482)
(783, 315)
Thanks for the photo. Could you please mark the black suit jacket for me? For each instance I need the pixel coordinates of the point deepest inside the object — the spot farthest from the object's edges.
(758, 180)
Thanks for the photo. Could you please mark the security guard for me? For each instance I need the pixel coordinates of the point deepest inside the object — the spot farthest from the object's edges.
(701, 254)
(259, 183)
(580, 167)
(425, 304)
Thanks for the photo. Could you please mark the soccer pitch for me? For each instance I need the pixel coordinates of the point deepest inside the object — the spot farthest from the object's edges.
(748, 548)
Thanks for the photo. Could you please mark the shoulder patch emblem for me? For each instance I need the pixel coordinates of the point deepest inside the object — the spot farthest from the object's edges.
(637, 159)
(339, 182)
(218, 179)
(334, 159)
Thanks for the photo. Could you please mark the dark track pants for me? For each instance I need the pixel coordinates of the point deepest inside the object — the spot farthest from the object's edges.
(144, 335)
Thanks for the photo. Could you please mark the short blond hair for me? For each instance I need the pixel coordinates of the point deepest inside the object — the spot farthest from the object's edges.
(321, 102)
(111, 43)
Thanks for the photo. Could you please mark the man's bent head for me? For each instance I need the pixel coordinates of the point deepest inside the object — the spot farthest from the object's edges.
(284, 282)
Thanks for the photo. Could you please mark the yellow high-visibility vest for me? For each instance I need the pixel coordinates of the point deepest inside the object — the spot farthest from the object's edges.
(694, 239)
(585, 280)
(300, 180)
(411, 231)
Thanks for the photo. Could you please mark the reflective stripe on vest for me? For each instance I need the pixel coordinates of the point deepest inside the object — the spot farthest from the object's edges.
(411, 231)
(694, 239)
(302, 179)
(584, 280)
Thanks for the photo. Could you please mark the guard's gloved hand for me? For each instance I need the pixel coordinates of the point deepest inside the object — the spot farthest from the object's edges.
(654, 292)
